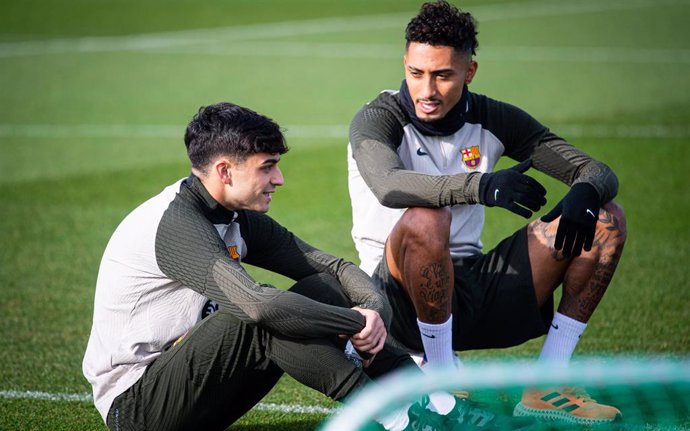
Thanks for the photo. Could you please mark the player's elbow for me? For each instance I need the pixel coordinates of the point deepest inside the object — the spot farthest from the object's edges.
(392, 199)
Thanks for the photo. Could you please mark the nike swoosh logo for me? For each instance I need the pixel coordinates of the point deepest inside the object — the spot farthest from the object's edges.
(589, 211)
(428, 336)
(420, 152)
(496, 195)
(554, 326)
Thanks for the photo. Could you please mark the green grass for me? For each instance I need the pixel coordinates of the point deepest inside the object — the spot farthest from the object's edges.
(86, 135)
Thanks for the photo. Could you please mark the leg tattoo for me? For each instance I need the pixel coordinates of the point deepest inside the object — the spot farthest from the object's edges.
(589, 275)
(434, 292)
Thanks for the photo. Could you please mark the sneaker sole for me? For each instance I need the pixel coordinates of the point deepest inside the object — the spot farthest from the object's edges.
(557, 415)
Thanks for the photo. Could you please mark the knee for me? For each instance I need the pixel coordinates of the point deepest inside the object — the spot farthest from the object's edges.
(427, 228)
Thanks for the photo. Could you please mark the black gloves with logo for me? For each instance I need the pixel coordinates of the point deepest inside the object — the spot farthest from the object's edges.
(579, 211)
(512, 190)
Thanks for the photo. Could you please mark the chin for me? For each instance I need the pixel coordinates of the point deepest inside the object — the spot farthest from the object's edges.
(427, 118)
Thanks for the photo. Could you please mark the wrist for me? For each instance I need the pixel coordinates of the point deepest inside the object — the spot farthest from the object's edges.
(484, 180)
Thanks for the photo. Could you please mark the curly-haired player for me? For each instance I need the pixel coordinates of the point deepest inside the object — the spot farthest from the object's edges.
(421, 172)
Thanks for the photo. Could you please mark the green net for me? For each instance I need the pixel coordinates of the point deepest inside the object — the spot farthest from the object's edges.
(652, 393)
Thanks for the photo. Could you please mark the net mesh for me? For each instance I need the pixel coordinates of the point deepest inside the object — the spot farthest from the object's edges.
(652, 393)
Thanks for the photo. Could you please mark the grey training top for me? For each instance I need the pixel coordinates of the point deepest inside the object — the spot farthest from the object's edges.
(393, 166)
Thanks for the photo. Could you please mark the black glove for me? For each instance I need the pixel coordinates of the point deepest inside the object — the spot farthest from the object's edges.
(509, 187)
(579, 211)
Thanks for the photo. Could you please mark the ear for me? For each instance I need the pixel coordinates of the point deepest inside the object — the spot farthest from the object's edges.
(471, 71)
(223, 168)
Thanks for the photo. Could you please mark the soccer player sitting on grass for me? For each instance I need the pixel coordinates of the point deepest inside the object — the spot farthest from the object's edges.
(421, 172)
(183, 337)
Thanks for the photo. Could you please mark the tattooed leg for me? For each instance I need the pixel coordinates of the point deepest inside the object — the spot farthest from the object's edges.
(585, 278)
(418, 258)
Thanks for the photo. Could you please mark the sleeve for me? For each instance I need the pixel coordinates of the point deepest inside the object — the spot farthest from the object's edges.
(272, 247)
(559, 159)
(375, 134)
(189, 250)
(524, 137)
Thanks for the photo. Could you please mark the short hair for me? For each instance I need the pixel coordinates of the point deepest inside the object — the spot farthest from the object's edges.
(442, 24)
(226, 129)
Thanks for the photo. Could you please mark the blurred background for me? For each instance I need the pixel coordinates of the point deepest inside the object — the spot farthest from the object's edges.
(95, 97)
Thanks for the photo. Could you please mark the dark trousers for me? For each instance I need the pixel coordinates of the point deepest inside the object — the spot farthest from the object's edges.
(223, 367)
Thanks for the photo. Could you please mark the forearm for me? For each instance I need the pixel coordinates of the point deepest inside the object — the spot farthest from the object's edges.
(356, 284)
(570, 165)
(277, 310)
(396, 187)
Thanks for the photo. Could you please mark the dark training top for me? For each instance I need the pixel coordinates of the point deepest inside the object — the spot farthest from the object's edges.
(178, 256)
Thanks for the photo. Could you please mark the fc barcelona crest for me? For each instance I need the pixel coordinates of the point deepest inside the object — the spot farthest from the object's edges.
(234, 255)
(471, 156)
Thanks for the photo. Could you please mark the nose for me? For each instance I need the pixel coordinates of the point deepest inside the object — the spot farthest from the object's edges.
(278, 179)
(428, 88)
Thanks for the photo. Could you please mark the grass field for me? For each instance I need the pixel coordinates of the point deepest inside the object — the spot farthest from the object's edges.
(95, 95)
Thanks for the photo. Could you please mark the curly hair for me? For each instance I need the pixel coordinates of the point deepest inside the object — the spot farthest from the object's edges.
(230, 130)
(442, 24)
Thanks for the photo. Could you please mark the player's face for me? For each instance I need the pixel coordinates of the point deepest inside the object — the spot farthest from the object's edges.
(435, 76)
(253, 181)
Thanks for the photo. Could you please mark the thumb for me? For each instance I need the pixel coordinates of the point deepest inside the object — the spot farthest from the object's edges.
(522, 166)
(555, 212)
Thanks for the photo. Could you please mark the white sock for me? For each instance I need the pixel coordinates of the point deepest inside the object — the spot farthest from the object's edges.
(397, 420)
(561, 340)
(441, 402)
(438, 342)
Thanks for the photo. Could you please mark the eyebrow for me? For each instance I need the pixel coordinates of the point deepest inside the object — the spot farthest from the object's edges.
(434, 72)
(270, 161)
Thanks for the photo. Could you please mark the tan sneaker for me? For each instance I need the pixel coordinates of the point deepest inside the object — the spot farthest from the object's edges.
(566, 404)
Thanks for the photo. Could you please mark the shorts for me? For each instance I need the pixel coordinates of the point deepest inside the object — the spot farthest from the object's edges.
(493, 305)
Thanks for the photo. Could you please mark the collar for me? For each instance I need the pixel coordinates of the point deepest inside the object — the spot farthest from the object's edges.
(211, 208)
(449, 124)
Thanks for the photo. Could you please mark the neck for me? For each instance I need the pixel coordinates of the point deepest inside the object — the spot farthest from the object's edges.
(449, 124)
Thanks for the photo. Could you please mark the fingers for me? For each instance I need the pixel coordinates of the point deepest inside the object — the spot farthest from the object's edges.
(517, 209)
(373, 336)
(589, 240)
(372, 341)
(535, 186)
(369, 345)
(569, 241)
(531, 201)
(529, 193)
(553, 214)
(560, 235)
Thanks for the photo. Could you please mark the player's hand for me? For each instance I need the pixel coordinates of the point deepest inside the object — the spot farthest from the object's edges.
(371, 339)
(512, 190)
(579, 211)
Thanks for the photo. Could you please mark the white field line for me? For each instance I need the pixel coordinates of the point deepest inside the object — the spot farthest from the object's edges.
(395, 52)
(93, 131)
(87, 398)
(285, 29)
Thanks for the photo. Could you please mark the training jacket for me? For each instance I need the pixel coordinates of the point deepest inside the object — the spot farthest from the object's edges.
(393, 166)
(177, 257)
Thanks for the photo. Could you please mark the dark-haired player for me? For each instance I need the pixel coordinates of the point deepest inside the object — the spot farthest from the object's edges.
(421, 172)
